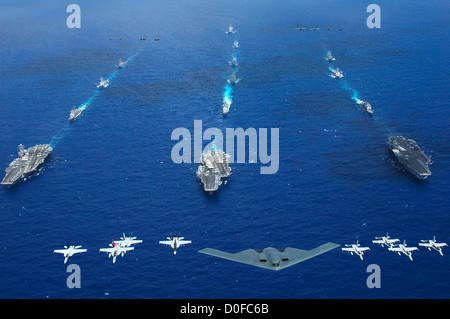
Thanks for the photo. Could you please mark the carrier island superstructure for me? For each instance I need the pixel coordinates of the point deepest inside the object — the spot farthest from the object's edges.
(28, 162)
(213, 167)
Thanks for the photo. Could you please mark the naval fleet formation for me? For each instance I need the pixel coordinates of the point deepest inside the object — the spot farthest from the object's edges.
(214, 164)
(214, 168)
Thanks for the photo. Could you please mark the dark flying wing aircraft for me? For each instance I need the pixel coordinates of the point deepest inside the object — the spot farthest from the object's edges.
(271, 258)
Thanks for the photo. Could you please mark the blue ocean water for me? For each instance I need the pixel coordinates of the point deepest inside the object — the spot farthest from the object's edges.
(111, 170)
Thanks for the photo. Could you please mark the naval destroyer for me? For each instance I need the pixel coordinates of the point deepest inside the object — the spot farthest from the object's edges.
(230, 30)
(233, 62)
(337, 74)
(213, 167)
(330, 57)
(28, 162)
(409, 154)
(366, 105)
(226, 106)
(74, 113)
(121, 64)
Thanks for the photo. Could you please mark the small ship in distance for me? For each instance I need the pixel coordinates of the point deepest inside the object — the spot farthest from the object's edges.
(330, 57)
(367, 107)
(233, 80)
(337, 74)
(103, 83)
(226, 106)
(409, 154)
(230, 30)
(121, 64)
(28, 162)
(233, 62)
(74, 113)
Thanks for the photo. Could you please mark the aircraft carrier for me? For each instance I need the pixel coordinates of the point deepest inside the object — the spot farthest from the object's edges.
(28, 162)
(213, 167)
(409, 154)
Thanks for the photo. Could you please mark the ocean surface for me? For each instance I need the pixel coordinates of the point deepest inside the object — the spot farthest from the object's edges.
(111, 170)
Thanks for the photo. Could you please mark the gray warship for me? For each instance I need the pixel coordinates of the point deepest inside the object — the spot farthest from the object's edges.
(233, 62)
(366, 105)
(74, 113)
(28, 162)
(226, 106)
(121, 64)
(233, 80)
(409, 154)
(213, 167)
(330, 57)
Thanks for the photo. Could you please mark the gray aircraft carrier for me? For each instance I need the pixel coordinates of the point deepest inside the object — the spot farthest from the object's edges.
(409, 154)
(28, 162)
(213, 166)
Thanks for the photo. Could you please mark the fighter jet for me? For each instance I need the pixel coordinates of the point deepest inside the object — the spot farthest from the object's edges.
(385, 240)
(401, 248)
(69, 251)
(103, 83)
(128, 241)
(175, 242)
(431, 243)
(269, 257)
(115, 250)
(355, 248)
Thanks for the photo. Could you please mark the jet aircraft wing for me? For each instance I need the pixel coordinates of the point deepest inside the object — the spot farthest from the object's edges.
(61, 251)
(107, 250)
(184, 242)
(74, 251)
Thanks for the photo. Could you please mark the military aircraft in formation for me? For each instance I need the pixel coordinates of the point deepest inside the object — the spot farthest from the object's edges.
(69, 251)
(175, 242)
(402, 249)
(385, 240)
(432, 244)
(356, 248)
(115, 250)
(269, 257)
(397, 248)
